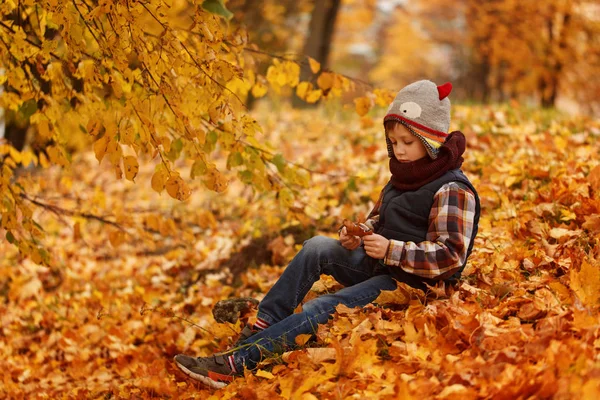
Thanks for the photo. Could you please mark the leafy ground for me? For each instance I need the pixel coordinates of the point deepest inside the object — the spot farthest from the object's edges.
(107, 319)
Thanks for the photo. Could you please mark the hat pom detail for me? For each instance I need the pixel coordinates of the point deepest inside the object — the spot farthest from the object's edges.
(444, 90)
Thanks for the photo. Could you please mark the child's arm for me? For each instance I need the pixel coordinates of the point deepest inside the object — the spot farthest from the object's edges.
(450, 232)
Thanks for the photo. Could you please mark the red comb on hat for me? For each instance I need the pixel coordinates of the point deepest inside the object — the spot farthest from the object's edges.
(444, 90)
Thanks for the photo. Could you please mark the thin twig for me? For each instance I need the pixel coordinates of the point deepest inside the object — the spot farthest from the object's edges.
(312, 171)
(63, 211)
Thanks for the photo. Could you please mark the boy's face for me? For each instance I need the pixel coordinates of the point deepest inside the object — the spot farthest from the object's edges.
(406, 146)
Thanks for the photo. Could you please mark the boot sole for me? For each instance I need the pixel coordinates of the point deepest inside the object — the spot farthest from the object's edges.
(201, 378)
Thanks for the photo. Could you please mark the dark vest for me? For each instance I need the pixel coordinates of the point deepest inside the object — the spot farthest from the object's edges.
(404, 216)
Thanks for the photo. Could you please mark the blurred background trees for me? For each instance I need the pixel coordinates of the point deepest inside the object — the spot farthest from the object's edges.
(541, 53)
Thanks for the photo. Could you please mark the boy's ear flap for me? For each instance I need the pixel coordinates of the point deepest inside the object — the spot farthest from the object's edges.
(390, 147)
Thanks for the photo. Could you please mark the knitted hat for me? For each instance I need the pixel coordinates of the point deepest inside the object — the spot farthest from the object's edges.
(424, 109)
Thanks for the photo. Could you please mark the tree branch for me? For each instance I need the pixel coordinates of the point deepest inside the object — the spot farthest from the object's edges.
(63, 211)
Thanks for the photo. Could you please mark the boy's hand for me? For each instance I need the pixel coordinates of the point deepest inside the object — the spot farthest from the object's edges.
(348, 241)
(376, 246)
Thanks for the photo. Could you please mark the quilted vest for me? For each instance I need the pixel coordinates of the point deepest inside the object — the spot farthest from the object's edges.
(404, 215)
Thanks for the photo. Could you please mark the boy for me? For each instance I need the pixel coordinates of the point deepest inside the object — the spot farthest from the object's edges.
(424, 224)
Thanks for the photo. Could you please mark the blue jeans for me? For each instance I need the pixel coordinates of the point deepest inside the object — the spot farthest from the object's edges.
(361, 275)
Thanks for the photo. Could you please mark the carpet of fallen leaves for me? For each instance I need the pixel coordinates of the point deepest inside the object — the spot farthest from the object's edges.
(117, 305)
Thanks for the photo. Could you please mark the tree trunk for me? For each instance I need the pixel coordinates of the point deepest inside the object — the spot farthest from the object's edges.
(549, 89)
(318, 41)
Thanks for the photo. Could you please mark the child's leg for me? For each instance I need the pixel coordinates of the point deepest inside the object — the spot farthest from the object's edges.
(281, 335)
(319, 255)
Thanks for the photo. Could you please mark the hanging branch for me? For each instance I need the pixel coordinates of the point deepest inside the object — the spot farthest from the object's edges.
(59, 211)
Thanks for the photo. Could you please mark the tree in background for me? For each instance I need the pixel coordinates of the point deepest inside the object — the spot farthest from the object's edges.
(514, 49)
(406, 54)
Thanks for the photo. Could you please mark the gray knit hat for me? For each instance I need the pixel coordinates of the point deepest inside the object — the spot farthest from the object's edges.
(424, 109)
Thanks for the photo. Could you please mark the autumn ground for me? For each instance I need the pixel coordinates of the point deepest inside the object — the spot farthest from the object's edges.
(107, 319)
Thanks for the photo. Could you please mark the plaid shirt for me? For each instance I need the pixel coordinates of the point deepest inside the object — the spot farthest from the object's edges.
(448, 237)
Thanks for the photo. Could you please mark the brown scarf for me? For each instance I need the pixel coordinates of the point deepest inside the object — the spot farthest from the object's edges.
(413, 175)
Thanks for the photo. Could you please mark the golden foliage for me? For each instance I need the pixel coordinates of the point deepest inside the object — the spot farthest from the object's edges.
(161, 82)
(521, 323)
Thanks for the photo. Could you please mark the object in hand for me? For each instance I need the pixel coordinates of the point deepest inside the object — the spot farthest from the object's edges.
(357, 229)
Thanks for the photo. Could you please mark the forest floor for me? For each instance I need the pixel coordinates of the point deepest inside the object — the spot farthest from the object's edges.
(114, 307)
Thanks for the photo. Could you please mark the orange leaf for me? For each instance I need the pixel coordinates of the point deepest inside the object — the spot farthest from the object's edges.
(302, 339)
(315, 66)
(363, 104)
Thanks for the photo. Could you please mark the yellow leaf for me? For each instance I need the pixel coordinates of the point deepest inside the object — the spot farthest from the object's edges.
(567, 215)
(93, 126)
(159, 179)
(9, 221)
(56, 156)
(563, 293)
(286, 198)
(401, 295)
(586, 283)
(303, 89)
(35, 255)
(131, 167)
(275, 76)
(259, 90)
(44, 161)
(315, 66)
(292, 73)
(594, 178)
(214, 112)
(216, 181)
(127, 135)
(15, 154)
(44, 129)
(325, 80)
(27, 157)
(166, 143)
(314, 96)
(363, 104)
(100, 147)
(383, 97)
(302, 339)
(116, 238)
(265, 374)
(560, 143)
(115, 152)
(177, 188)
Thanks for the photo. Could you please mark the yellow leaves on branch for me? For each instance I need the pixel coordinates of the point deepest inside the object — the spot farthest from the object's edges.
(177, 188)
(306, 92)
(259, 90)
(283, 73)
(326, 80)
(363, 104)
(24, 157)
